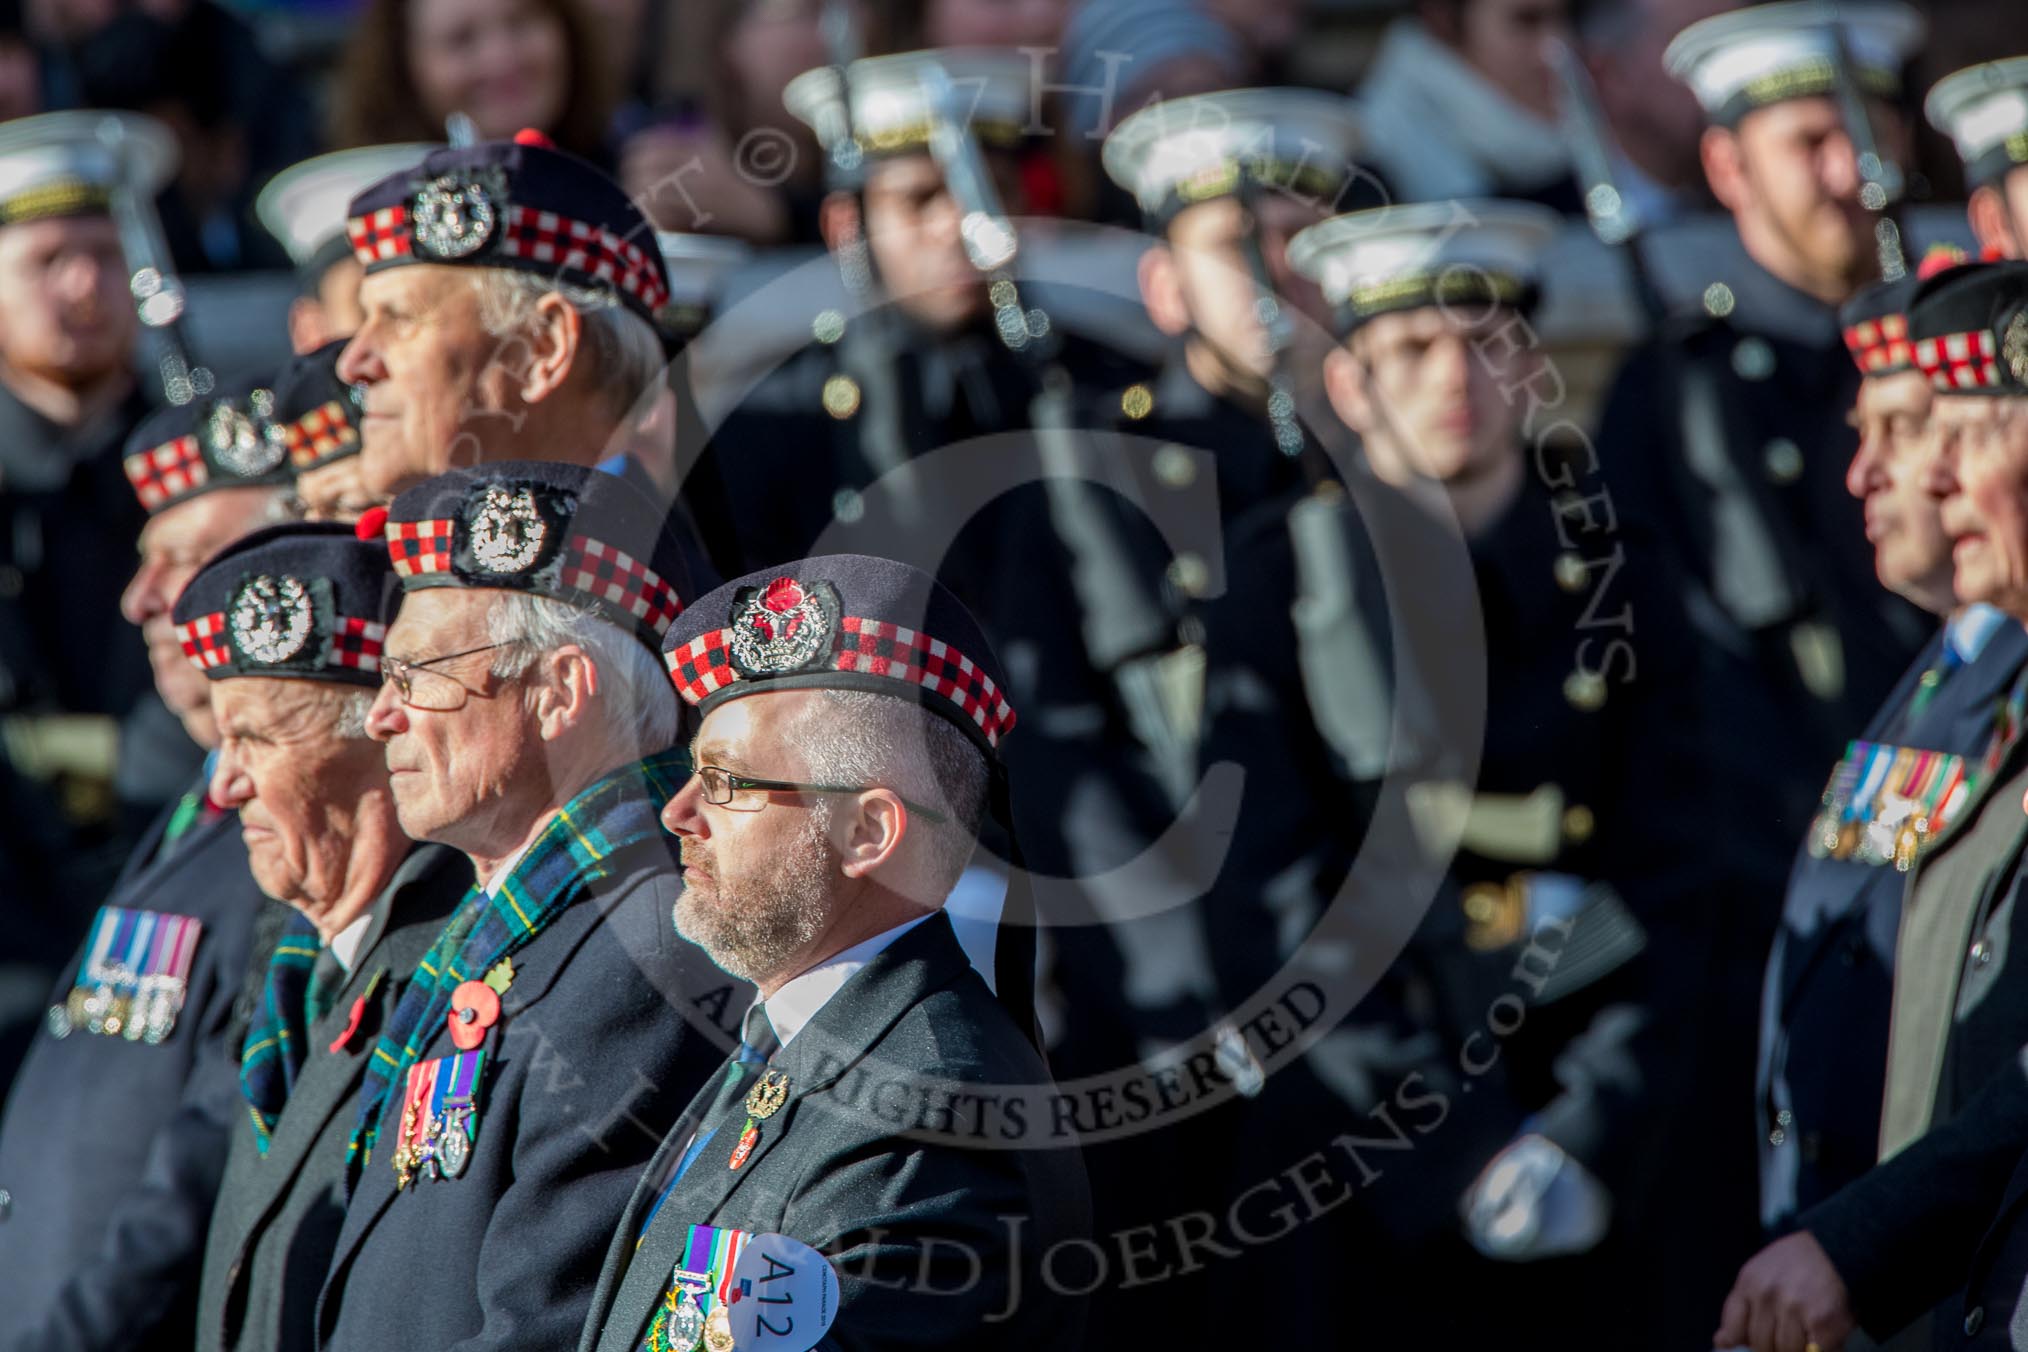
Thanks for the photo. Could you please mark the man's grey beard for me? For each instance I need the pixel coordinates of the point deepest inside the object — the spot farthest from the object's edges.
(756, 931)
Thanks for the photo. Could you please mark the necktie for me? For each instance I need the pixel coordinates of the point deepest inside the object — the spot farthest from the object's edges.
(757, 1043)
(327, 978)
(1933, 679)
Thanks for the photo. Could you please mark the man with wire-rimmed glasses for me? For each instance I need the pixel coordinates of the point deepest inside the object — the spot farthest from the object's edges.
(551, 1031)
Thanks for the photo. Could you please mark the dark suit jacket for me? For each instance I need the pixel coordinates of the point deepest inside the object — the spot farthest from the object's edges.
(1903, 1235)
(602, 1037)
(278, 1214)
(111, 1150)
(1824, 1017)
(835, 1169)
(1991, 1311)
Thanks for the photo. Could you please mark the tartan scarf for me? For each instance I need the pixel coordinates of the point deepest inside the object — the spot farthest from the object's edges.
(278, 1037)
(559, 867)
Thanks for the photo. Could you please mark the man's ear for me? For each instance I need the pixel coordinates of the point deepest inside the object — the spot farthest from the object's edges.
(1345, 386)
(1162, 289)
(1991, 224)
(1725, 167)
(550, 344)
(839, 222)
(873, 833)
(568, 682)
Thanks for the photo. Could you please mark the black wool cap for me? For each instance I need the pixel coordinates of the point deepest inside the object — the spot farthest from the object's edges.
(304, 600)
(567, 532)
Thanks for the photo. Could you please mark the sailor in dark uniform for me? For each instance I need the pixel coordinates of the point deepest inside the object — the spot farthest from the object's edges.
(304, 208)
(1726, 443)
(1886, 1248)
(1529, 618)
(1224, 180)
(1824, 1014)
(115, 1132)
(1728, 433)
(1984, 110)
(287, 625)
(91, 756)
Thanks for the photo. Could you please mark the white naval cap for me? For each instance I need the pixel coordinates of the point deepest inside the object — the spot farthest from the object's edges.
(891, 113)
(1464, 253)
(697, 266)
(68, 164)
(1179, 152)
(1749, 58)
(304, 206)
(1984, 110)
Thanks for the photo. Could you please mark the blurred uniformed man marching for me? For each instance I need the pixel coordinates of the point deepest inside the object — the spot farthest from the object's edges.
(1984, 110)
(1727, 434)
(116, 1131)
(72, 685)
(1557, 878)
(1725, 441)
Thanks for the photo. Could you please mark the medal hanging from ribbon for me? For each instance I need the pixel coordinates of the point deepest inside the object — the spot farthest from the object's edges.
(134, 977)
(1885, 803)
(439, 1118)
(693, 1312)
(763, 1101)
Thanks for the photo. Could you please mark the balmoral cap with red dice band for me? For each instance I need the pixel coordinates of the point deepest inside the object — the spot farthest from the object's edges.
(303, 600)
(568, 532)
(228, 439)
(1875, 322)
(1969, 328)
(318, 413)
(520, 204)
(842, 622)
(854, 622)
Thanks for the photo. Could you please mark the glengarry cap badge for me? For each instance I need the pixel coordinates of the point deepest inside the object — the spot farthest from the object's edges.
(271, 619)
(508, 531)
(240, 445)
(2014, 345)
(456, 214)
(783, 626)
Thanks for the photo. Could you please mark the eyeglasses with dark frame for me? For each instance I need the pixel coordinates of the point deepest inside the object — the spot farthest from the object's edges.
(721, 786)
(401, 675)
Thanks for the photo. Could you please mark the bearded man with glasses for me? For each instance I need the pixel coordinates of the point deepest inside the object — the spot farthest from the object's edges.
(558, 1022)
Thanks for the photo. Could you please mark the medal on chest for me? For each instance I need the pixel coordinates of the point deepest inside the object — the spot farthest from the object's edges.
(1884, 803)
(439, 1118)
(763, 1101)
(134, 977)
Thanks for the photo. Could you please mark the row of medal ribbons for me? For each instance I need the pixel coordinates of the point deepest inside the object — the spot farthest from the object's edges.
(1884, 803)
(134, 976)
